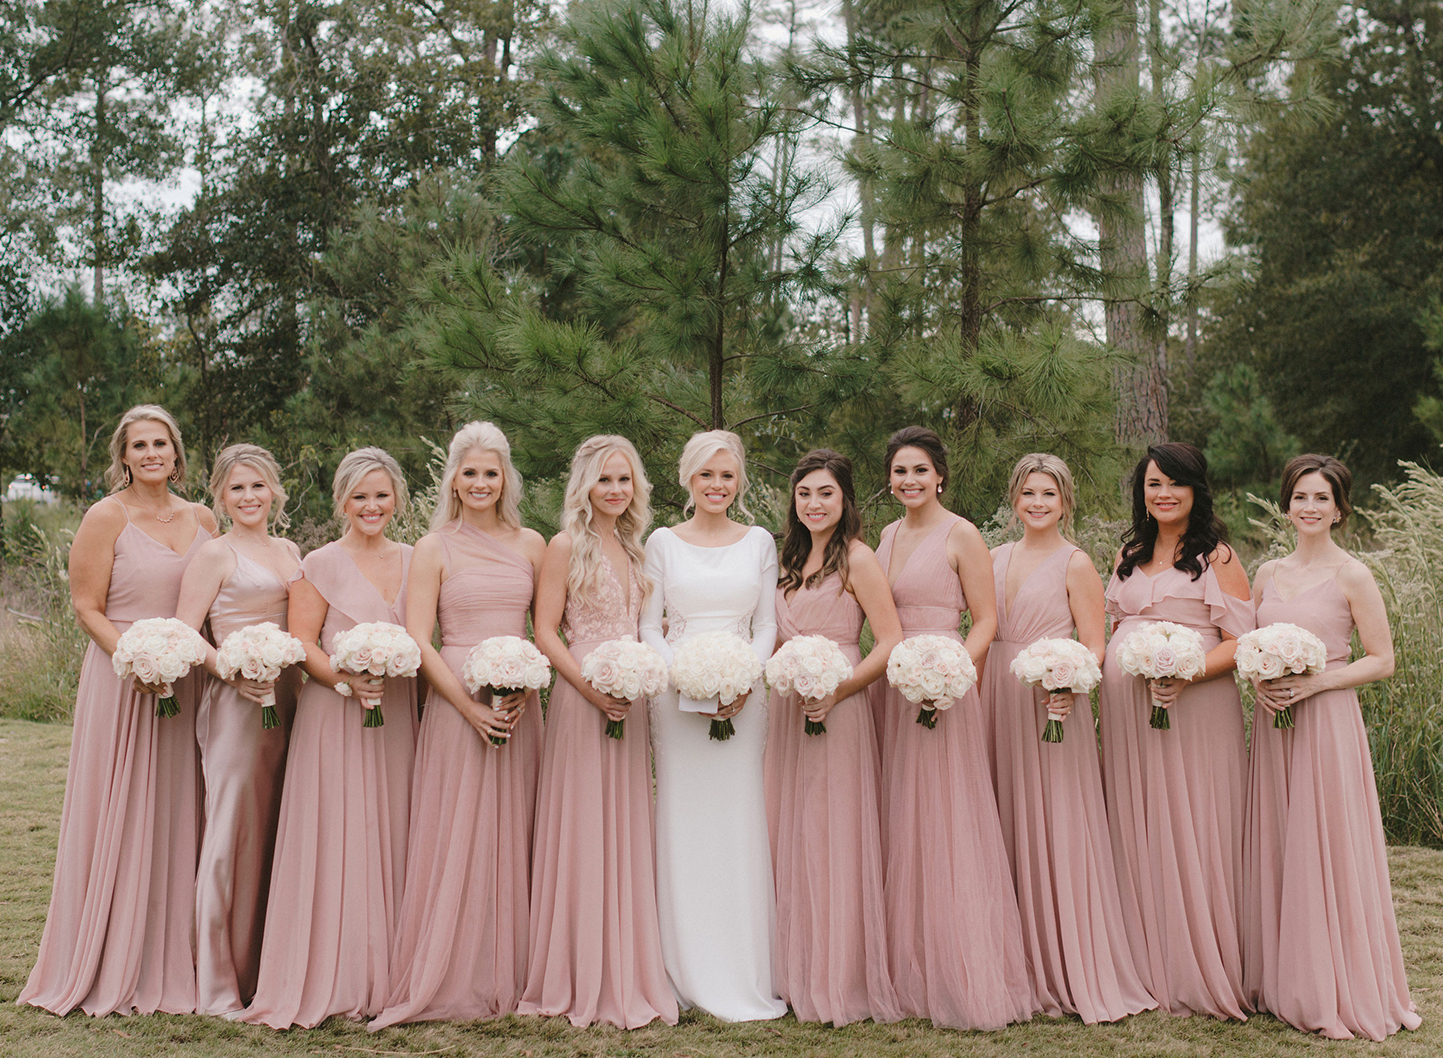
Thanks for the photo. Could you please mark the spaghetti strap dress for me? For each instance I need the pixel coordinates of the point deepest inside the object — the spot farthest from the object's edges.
(1175, 800)
(954, 931)
(1320, 941)
(340, 856)
(1054, 822)
(118, 934)
(461, 950)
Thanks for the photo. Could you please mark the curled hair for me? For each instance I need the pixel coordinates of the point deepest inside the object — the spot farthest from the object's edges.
(797, 538)
(357, 465)
(585, 575)
(700, 448)
(1338, 477)
(115, 477)
(247, 455)
(925, 439)
(1053, 467)
(478, 437)
(1187, 466)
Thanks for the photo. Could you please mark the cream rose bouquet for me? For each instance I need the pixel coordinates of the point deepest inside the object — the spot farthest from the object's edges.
(624, 668)
(933, 670)
(811, 666)
(375, 648)
(157, 651)
(260, 652)
(1162, 649)
(720, 665)
(505, 664)
(1277, 650)
(1057, 665)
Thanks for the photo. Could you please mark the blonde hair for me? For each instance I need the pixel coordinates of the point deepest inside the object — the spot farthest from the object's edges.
(115, 474)
(1053, 467)
(700, 448)
(248, 455)
(585, 577)
(357, 465)
(484, 437)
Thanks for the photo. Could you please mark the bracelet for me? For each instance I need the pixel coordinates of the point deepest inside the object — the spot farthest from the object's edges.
(344, 690)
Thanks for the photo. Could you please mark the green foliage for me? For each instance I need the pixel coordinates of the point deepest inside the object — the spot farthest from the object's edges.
(1247, 447)
(41, 645)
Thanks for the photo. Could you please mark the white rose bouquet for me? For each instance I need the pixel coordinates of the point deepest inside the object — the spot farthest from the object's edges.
(259, 652)
(1057, 665)
(157, 651)
(624, 668)
(933, 670)
(506, 664)
(1277, 650)
(720, 665)
(813, 667)
(1160, 649)
(375, 648)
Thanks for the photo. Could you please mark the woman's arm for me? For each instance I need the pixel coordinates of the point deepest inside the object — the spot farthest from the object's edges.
(764, 617)
(652, 612)
(973, 563)
(92, 556)
(869, 586)
(550, 608)
(199, 586)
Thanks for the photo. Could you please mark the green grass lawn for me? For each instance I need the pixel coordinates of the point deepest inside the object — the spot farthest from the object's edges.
(32, 780)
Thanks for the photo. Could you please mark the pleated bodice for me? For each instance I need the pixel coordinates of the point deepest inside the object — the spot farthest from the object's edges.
(927, 592)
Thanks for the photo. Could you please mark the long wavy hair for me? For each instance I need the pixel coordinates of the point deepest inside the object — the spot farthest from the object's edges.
(249, 455)
(483, 437)
(117, 475)
(1205, 530)
(584, 577)
(797, 538)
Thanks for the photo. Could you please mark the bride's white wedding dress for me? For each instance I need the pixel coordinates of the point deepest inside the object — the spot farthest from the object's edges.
(714, 887)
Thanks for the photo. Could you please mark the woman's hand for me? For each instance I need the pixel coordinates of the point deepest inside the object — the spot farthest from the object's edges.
(253, 690)
(1059, 703)
(149, 688)
(614, 708)
(816, 709)
(490, 723)
(1288, 690)
(367, 687)
(726, 712)
(1166, 690)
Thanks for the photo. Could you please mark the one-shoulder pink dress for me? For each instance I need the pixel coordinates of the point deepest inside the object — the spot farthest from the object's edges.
(1320, 942)
(1175, 800)
(954, 934)
(460, 952)
(243, 764)
(595, 939)
(823, 817)
(118, 933)
(1054, 822)
(340, 857)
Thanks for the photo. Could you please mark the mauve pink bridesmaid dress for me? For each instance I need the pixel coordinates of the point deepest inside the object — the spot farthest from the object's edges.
(822, 811)
(1175, 801)
(461, 946)
(118, 935)
(340, 855)
(1054, 823)
(1320, 942)
(954, 933)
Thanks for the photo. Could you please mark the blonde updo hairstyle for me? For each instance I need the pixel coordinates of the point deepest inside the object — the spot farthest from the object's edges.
(586, 573)
(264, 464)
(357, 465)
(483, 437)
(1056, 469)
(700, 448)
(117, 475)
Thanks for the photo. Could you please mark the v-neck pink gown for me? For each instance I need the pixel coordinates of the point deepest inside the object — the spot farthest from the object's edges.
(1054, 822)
(340, 856)
(460, 951)
(595, 938)
(118, 934)
(955, 937)
(823, 815)
(1175, 801)
(1320, 941)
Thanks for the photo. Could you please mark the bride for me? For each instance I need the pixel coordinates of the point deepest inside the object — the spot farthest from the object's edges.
(714, 884)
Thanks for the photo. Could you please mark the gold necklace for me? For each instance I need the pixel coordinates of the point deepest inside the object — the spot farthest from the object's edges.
(167, 519)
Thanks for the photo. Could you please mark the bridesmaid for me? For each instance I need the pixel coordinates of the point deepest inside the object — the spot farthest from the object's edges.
(1175, 797)
(1049, 795)
(831, 946)
(118, 933)
(240, 579)
(595, 946)
(341, 842)
(460, 951)
(955, 934)
(1320, 943)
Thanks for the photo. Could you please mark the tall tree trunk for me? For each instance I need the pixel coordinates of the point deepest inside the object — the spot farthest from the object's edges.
(97, 191)
(867, 207)
(1189, 348)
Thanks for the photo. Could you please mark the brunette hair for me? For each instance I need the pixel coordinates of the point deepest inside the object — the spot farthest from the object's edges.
(1053, 467)
(248, 455)
(797, 538)
(1339, 477)
(585, 573)
(116, 475)
(925, 439)
(1187, 466)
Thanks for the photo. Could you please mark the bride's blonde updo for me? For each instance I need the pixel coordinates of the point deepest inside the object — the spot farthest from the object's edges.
(586, 572)
(702, 447)
(479, 437)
